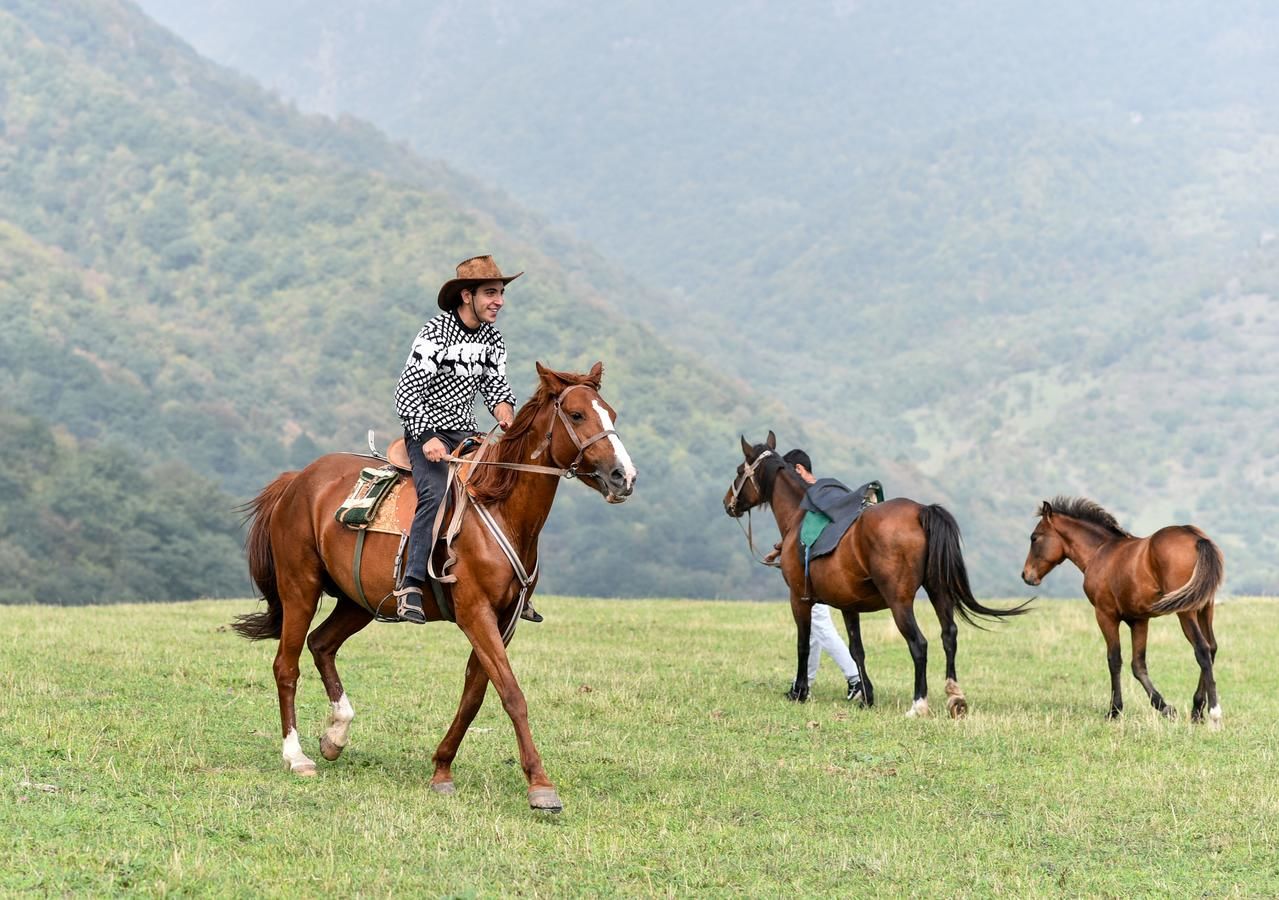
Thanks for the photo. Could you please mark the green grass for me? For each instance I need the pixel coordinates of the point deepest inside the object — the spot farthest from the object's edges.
(141, 754)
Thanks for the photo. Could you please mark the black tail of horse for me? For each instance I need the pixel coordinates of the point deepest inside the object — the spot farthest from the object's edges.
(257, 546)
(945, 575)
(1204, 580)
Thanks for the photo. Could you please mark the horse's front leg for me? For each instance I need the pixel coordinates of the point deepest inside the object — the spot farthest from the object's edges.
(481, 629)
(1109, 625)
(802, 610)
(473, 690)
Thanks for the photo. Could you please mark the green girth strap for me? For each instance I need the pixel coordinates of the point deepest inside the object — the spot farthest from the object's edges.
(355, 572)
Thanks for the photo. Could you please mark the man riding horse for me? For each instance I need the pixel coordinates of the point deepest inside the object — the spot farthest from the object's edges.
(456, 355)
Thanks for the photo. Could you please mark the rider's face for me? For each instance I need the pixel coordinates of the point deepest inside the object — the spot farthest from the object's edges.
(486, 300)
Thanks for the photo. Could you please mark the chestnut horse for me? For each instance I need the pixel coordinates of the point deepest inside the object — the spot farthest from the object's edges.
(891, 550)
(1129, 579)
(297, 551)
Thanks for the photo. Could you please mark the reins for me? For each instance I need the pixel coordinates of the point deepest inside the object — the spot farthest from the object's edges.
(748, 474)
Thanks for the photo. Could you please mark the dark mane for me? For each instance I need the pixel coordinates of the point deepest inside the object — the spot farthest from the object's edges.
(490, 484)
(768, 472)
(1087, 511)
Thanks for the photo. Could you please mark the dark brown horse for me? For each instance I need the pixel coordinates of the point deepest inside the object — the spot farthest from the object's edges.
(297, 552)
(892, 550)
(1129, 579)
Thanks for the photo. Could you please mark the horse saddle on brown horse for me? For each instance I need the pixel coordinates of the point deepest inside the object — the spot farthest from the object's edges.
(383, 500)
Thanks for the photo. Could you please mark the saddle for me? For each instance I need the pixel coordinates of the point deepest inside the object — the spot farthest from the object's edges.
(374, 505)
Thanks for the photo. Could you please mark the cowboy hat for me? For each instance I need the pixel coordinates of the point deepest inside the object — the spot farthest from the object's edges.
(470, 272)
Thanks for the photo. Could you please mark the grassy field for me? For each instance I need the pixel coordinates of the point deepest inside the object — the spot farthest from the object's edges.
(140, 754)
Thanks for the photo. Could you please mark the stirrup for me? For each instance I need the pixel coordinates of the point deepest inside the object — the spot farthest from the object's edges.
(530, 613)
(408, 609)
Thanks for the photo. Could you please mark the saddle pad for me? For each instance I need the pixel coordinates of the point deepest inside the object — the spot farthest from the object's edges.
(367, 494)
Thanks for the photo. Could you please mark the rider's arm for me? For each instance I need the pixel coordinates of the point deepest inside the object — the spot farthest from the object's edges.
(494, 386)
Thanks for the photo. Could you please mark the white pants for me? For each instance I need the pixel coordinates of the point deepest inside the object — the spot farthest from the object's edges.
(824, 637)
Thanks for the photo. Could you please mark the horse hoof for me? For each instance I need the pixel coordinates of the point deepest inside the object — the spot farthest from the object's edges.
(918, 710)
(1214, 718)
(1113, 713)
(330, 750)
(545, 800)
(444, 788)
(1170, 712)
(304, 770)
(957, 707)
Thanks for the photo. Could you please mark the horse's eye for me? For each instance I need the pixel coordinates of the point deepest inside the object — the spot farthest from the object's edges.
(576, 416)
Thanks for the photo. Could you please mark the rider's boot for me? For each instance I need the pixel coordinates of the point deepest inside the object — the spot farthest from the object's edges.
(408, 602)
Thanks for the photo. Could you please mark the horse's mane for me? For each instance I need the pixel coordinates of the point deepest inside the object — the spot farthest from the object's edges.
(773, 466)
(491, 484)
(1087, 511)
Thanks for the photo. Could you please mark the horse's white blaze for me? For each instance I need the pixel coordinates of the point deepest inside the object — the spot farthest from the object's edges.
(624, 458)
(918, 709)
(1214, 718)
(340, 717)
(294, 758)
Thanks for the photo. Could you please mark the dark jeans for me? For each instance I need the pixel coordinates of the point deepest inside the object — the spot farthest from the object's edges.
(429, 479)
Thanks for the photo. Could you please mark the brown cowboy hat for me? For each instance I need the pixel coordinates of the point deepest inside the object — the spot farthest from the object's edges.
(470, 272)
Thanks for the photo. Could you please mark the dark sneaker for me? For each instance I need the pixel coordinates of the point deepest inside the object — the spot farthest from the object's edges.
(855, 691)
(530, 613)
(408, 605)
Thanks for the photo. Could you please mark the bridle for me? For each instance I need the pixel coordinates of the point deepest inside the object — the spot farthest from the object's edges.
(582, 446)
(748, 475)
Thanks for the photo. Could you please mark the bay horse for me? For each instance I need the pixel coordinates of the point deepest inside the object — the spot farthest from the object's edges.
(891, 550)
(297, 551)
(1130, 579)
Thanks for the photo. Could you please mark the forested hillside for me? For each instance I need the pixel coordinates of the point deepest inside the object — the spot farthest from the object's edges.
(1018, 249)
(202, 287)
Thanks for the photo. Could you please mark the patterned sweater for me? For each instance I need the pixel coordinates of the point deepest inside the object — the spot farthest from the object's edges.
(448, 364)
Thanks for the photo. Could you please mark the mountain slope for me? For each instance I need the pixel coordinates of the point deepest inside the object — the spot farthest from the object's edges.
(236, 287)
(1028, 250)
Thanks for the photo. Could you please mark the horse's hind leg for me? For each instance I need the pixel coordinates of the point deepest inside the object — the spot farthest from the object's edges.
(346, 619)
(904, 616)
(473, 690)
(853, 623)
(1207, 682)
(1139, 628)
(299, 597)
(956, 702)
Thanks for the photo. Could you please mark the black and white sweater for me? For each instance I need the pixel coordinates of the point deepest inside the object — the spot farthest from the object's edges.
(448, 364)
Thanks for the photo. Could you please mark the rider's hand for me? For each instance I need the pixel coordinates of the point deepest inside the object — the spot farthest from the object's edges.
(434, 450)
(505, 414)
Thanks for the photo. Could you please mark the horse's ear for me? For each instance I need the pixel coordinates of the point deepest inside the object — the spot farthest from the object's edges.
(596, 373)
(747, 449)
(549, 378)
(771, 441)
(1046, 510)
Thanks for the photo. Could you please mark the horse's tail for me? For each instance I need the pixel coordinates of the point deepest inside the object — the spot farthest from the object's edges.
(945, 575)
(1198, 592)
(259, 626)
